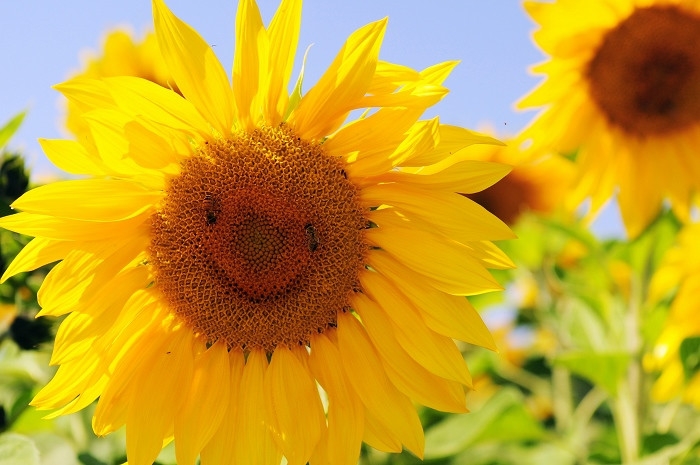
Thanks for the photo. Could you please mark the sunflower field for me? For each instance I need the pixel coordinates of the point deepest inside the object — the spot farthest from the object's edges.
(247, 266)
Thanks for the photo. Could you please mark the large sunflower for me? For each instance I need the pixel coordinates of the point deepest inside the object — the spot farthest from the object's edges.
(623, 87)
(234, 248)
(679, 273)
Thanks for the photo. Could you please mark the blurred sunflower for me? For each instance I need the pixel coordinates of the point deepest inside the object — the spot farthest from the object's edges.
(536, 183)
(680, 272)
(121, 55)
(234, 247)
(623, 88)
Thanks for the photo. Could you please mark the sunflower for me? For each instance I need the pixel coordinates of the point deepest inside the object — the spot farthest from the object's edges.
(121, 55)
(234, 248)
(537, 183)
(679, 273)
(623, 88)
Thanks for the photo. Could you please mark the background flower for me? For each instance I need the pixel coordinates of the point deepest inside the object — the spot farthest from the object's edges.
(621, 91)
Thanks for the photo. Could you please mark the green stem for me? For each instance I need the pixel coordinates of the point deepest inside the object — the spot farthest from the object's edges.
(628, 405)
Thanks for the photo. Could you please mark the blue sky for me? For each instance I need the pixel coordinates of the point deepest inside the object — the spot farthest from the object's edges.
(43, 42)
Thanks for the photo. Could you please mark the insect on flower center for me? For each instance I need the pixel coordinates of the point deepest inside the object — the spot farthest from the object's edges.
(259, 241)
(645, 76)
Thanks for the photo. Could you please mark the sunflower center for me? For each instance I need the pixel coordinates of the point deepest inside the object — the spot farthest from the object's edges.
(646, 74)
(259, 241)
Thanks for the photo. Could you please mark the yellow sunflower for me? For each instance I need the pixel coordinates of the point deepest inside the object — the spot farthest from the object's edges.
(121, 56)
(233, 248)
(623, 88)
(680, 272)
(536, 183)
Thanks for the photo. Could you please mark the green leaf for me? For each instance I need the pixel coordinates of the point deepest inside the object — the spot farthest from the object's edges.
(16, 449)
(457, 432)
(603, 369)
(10, 128)
(295, 96)
(689, 353)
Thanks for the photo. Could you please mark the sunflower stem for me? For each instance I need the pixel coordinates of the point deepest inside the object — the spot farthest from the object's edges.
(628, 408)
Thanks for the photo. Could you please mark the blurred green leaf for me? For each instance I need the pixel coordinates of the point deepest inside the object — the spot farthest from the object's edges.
(16, 449)
(689, 353)
(504, 410)
(10, 128)
(602, 368)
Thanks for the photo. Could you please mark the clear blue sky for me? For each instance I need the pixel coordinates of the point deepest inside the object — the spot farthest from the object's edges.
(43, 41)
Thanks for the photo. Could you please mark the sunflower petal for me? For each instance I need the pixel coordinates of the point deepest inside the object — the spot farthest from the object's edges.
(253, 442)
(204, 406)
(218, 450)
(446, 314)
(345, 410)
(435, 352)
(448, 266)
(367, 377)
(159, 394)
(196, 69)
(89, 199)
(284, 37)
(287, 387)
(250, 64)
(71, 157)
(38, 252)
(409, 376)
(338, 91)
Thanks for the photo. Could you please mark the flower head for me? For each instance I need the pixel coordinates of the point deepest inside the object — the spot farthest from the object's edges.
(622, 88)
(679, 273)
(233, 247)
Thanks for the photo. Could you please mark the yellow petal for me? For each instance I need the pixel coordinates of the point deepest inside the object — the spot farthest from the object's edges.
(218, 450)
(284, 37)
(422, 137)
(71, 157)
(448, 266)
(196, 69)
(111, 410)
(80, 329)
(452, 140)
(38, 252)
(86, 94)
(379, 436)
(436, 74)
(328, 103)
(124, 144)
(389, 76)
(446, 314)
(157, 105)
(163, 384)
(83, 274)
(363, 367)
(65, 229)
(449, 213)
(68, 382)
(466, 177)
(253, 442)
(345, 410)
(409, 376)
(89, 199)
(437, 353)
(202, 411)
(250, 64)
(293, 406)
(367, 143)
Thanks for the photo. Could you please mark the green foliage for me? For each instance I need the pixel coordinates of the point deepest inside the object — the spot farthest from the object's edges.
(16, 449)
(690, 356)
